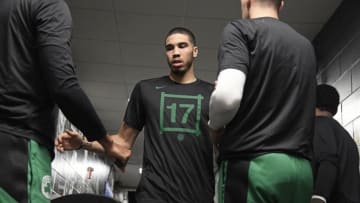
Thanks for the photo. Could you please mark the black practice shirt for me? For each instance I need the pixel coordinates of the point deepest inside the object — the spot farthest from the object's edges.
(178, 156)
(37, 72)
(276, 113)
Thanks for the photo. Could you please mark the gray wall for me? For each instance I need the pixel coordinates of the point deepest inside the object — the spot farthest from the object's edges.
(338, 50)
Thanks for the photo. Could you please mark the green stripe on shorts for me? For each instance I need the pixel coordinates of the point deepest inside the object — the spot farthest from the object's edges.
(39, 173)
(5, 197)
(222, 181)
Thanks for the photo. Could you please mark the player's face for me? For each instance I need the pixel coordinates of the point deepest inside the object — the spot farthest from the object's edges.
(180, 53)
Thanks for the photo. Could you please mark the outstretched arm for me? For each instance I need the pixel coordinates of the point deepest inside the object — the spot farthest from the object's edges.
(118, 147)
(71, 140)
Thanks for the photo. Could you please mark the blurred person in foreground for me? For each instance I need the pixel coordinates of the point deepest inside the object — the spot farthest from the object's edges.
(262, 110)
(36, 77)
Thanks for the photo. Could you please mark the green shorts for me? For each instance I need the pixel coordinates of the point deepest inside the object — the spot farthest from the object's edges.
(26, 171)
(269, 178)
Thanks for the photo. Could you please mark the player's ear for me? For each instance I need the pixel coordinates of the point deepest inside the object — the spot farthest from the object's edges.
(195, 51)
(282, 4)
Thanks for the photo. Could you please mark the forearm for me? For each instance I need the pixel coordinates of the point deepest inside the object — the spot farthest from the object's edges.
(127, 135)
(93, 146)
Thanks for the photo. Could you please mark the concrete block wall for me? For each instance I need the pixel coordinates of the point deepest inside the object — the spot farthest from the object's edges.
(338, 51)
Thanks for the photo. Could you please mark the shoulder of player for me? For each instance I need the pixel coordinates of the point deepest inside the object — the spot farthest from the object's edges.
(152, 80)
(243, 25)
(206, 84)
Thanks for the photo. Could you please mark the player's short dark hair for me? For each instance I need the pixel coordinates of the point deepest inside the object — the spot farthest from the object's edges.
(182, 30)
(327, 98)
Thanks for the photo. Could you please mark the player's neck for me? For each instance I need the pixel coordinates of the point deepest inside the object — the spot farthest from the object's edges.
(323, 113)
(258, 12)
(188, 77)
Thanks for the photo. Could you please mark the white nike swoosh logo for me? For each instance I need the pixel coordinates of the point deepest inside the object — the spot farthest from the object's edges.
(159, 87)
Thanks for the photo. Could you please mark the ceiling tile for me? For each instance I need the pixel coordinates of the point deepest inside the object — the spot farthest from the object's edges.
(158, 7)
(151, 56)
(95, 4)
(100, 72)
(145, 28)
(94, 24)
(207, 31)
(96, 51)
(105, 90)
(229, 9)
(309, 30)
(308, 11)
(134, 74)
(110, 104)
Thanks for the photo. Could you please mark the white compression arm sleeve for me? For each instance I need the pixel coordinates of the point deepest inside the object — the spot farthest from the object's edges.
(225, 99)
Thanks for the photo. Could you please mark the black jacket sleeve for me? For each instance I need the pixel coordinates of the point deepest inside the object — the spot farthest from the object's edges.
(325, 180)
(53, 24)
(325, 158)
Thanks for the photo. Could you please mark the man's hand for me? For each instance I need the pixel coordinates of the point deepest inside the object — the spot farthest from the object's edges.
(117, 148)
(68, 140)
(112, 145)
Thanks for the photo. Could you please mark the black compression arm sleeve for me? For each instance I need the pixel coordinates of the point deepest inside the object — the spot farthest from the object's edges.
(63, 86)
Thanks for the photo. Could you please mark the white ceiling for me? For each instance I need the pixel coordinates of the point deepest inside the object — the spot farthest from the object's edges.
(119, 42)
